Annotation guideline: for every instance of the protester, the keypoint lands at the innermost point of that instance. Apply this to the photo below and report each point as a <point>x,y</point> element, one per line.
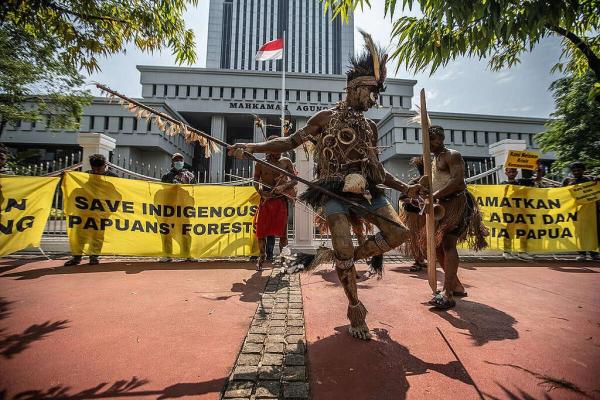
<point>536,181</point>
<point>511,175</point>
<point>578,176</point>
<point>461,221</point>
<point>4,168</point>
<point>411,216</point>
<point>272,216</point>
<point>178,173</point>
<point>99,167</point>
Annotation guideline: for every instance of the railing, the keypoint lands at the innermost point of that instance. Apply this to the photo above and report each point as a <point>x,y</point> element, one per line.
<point>50,168</point>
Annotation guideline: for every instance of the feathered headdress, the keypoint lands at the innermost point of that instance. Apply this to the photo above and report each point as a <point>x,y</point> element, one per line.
<point>368,68</point>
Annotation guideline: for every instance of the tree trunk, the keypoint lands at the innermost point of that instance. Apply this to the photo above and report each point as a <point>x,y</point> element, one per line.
<point>2,125</point>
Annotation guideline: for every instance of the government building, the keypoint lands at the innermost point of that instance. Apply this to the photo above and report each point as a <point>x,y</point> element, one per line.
<point>223,98</point>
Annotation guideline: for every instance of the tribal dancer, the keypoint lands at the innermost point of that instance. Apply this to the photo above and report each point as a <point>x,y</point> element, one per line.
<point>461,221</point>
<point>347,164</point>
<point>272,216</point>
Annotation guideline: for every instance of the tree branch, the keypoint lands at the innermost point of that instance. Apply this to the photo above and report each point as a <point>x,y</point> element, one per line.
<point>84,16</point>
<point>593,60</point>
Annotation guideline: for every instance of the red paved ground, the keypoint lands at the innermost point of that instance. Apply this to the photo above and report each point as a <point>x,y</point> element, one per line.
<point>134,330</point>
<point>519,329</point>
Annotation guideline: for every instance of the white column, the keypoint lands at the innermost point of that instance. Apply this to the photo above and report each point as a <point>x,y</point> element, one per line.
<point>95,143</point>
<point>217,160</point>
<point>303,218</point>
<point>499,151</point>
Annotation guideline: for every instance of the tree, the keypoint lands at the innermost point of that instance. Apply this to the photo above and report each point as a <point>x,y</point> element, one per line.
<point>34,83</point>
<point>501,30</point>
<point>574,132</point>
<point>44,44</point>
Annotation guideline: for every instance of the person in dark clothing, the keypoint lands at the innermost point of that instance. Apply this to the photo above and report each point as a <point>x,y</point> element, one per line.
<point>536,181</point>
<point>511,175</point>
<point>99,167</point>
<point>578,176</point>
<point>178,173</point>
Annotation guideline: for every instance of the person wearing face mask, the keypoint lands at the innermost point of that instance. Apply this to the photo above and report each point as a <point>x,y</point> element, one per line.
<point>178,173</point>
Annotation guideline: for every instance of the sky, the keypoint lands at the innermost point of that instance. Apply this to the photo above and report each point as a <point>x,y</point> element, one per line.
<point>463,86</point>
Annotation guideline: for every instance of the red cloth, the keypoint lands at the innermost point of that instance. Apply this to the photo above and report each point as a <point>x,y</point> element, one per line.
<point>271,219</point>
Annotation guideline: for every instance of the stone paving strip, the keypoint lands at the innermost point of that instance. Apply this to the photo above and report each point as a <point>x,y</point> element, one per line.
<point>272,361</point>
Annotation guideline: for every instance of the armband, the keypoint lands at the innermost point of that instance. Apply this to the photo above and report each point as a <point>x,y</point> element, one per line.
<point>299,137</point>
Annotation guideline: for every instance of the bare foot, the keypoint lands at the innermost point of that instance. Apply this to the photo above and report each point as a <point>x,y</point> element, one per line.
<point>259,263</point>
<point>360,332</point>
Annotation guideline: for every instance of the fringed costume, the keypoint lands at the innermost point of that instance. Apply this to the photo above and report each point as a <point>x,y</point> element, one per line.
<point>462,218</point>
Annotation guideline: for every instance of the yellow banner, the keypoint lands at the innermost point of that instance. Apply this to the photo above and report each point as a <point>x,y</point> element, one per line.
<point>537,220</point>
<point>25,205</point>
<point>522,159</point>
<point>107,216</point>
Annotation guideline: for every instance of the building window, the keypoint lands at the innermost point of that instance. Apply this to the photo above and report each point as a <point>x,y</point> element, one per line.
<point>221,92</point>
<point>199,90</point>
<point>287,95</point>
<point>253,94</point>
<point>404,134</point>
<point>464,136</point>
<point>417,133</point>
<point>153,90</point>
<point>243,93</point>
<point>105,123</point>
<point>165,90</point>
<point>297,95</point>
<point>329,97</point>
<point>451,135</point>
<point>135,123</point>
<point>176,90</point>
<point>486,136</point>
<point>475,138</point>
<point>210,91</point>
<point>391,101</point>
<point>120,123</point>
<point>276,94</point>
<point>149,125</point>
<point>339,97</point>
<point>265,93</point>
<point>520,136</point>
<point>92,122</point>
<point>232,92</point>
<point>531,140</point>
<point>319,97</point>
<point>308,95</point>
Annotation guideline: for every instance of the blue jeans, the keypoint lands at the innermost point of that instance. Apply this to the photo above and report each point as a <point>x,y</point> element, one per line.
<point>335,206</point>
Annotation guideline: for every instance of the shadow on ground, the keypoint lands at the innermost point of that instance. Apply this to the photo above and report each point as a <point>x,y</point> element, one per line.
<point>484,323</point>
<point>127,267</point>
<point>124,388</point>
<point>372,370</point>
<point>16,343</point>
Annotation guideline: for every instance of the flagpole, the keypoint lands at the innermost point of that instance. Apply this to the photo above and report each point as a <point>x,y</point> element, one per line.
<point>283,67</point>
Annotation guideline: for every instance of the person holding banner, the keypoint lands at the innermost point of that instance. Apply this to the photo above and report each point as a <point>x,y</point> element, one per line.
<point>272,216</point>
<point>94,239</point>
<point>536,181</point>
<point>348,168</point>
<point>178,173</point>
<point>578,176</point>
<point>461,220</point>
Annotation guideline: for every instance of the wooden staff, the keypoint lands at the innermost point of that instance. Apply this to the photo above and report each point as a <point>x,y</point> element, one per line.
<point>250,156</point>
<point>429,218</point>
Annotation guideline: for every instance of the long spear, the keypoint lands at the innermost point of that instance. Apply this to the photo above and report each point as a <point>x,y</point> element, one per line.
<point>429,218</point>
<point>203,137</point>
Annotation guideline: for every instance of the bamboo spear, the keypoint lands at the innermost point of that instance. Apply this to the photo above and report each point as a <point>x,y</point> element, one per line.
<point>429,218</point>
<point>206,139</point>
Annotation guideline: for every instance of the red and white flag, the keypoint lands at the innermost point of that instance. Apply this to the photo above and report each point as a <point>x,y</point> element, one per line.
<point>272,50</point>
